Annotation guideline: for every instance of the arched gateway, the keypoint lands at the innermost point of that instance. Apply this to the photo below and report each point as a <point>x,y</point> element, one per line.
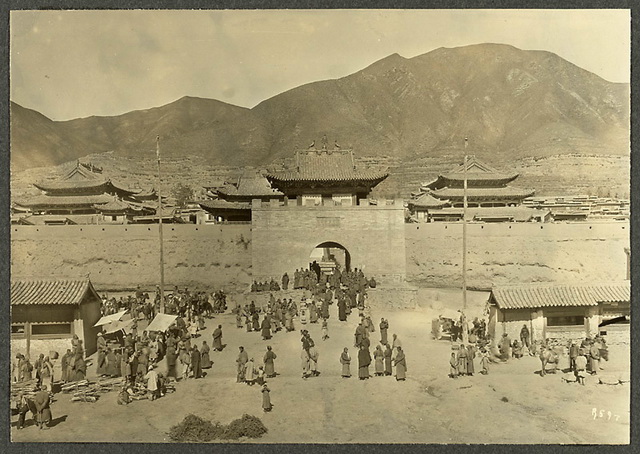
<point>330,256</point>
<point>326,206</point>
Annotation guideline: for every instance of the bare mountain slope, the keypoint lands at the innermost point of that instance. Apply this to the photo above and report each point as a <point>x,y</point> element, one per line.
<point>511,103</point>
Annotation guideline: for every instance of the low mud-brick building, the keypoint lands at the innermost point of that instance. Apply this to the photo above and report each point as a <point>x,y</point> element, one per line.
<point>46,313</point>
<point>558,311</point>
<point>326,216</point>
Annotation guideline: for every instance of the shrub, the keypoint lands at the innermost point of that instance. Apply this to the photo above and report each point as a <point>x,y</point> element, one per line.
<point>195,429</point>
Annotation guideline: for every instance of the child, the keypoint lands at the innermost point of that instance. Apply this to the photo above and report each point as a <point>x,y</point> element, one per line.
<point>453,363</point>
<point>325,329</point>
<point>266,399</point>
<point>260,376</point>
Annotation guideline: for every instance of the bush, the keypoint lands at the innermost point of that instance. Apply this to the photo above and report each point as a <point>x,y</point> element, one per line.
<point>196,429</point>
<point>247,426</point>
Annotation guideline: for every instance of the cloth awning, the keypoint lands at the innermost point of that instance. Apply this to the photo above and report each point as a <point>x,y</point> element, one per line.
<point>161,322</point>
<point>449,313</point>
<point>110,318</point>
<point>124,325</point>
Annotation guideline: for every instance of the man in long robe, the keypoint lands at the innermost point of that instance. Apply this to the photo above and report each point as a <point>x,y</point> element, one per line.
<point>388,353</point>
<point>269,365</point>
<point>384,326</point>
<point>401,365</point>
<point>266,328</point>
<point>342,310</point>
<point>285,281</point>
<point>42,403</point>
<point>205,360</point>
<point>195,362</point>
<point>102,355</point>
<point>64,365</point>
<point>359,335</point>
<point>217,339</point>
<point>241,363</point>
<point>364,360</point>
<point>172,359</point>
<point>378,356</point>
<point>345,360</point>
<point>79,368</point>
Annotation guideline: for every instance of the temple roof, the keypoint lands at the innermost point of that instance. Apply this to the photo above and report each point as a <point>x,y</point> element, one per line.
<point>80,178</point>
<point>503,192</point>
<point>326,166</point>
<point>72,200</point>
<point>426,200</point>
<point>254,185</point>
<point>477,171</point>
<point>114,206</point>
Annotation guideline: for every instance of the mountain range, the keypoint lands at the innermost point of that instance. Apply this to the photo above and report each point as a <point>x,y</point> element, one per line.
<point>510,103</point>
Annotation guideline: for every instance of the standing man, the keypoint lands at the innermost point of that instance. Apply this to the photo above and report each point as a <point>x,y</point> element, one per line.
<point>525,337</point>
<point>285,281</point>
<point>573,354</point>
<point>217,339</point>
<point>401,365</point>
<point>384,326</point>
<point>594,358</point>
<point>241,362</point>
<point>42,403</point>
<point>345,360</point>
<point>364,360</point>
<point>269,365</point>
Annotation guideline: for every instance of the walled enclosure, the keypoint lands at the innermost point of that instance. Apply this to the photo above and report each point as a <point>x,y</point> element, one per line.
<point>211,256</point>
<point>284,237</point>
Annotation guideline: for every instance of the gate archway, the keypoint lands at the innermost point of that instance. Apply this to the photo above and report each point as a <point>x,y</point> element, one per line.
<point>330,255</point>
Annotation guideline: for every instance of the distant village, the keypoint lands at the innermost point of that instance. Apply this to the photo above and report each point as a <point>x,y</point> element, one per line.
<point>85,195</point>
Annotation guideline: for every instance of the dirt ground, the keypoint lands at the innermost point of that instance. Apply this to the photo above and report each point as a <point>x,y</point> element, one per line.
<point>512,404</point>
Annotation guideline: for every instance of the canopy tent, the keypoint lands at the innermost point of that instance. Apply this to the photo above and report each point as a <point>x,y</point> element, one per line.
<point>110,318</point>
<point>124,325</point>
<point>449,313</point>
<point>161,322</point>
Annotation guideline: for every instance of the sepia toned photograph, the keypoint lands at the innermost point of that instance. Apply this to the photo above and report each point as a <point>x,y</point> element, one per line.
<point>320,226</point>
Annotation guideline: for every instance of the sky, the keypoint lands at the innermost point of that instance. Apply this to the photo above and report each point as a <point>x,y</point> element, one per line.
<point>72,64</point>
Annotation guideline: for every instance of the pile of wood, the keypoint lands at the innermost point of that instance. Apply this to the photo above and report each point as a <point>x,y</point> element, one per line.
<point>89,391</point>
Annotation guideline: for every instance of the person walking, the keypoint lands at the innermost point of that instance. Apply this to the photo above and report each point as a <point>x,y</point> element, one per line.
<point>217,339</point>
<point>525,337</point>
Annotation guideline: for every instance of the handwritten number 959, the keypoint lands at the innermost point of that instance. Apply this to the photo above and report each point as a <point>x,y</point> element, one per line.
<point>602,414</point>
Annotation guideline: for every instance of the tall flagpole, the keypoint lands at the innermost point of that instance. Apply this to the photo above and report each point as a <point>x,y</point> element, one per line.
<point>464,229</point>
<point>160,229</point>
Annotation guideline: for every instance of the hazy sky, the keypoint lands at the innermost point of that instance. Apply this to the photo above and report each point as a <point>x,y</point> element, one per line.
<point>74,64</point>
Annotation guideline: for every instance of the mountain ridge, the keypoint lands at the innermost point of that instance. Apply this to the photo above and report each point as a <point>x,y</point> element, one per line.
<point>511,103</point>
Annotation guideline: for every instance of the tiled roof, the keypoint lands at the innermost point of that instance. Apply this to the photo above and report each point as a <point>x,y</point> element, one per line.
<point>250,186</point>
<point>522,214</point>
<point>530,296</point>
<point>334,166</point>
<point>427,201</point>
<point>50,291</point>
<point>447,193</point>
<point>63,185</point>
<point>114,205</point>
<point>224,205</point>
<point>73,200</point>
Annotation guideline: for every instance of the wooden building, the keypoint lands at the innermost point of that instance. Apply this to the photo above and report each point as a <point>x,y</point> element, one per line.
<point>326,178</point>
<point>82,191</point>
<point>46,313</point>
<point>232,201</point>
<point>556,311</point>
<point>486,186</point>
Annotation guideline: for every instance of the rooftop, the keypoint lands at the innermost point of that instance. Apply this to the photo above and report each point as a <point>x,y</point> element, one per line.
<point>326,166</point>
<point>50,291</point>
<point>250,185</point>
<point>531,296</point>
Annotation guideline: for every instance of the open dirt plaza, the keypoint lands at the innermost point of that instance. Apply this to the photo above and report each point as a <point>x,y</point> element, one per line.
<point>512,404</point>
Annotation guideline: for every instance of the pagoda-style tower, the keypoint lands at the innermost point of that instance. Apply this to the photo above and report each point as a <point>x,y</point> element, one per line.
<point>326,177</point>
<point>486,186</point>
<point>326,216</point>
<point>81,191</point>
